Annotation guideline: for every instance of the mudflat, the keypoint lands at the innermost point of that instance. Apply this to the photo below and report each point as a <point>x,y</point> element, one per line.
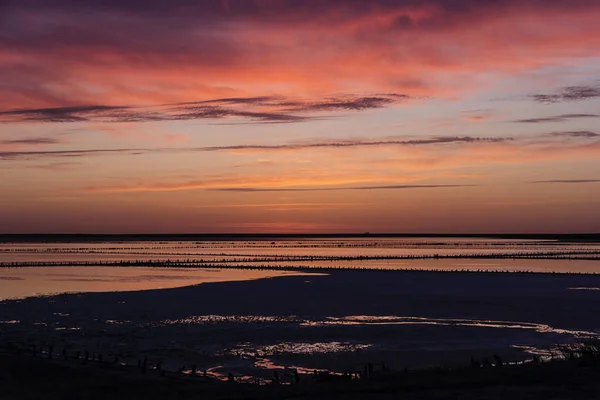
<point>337,322</point>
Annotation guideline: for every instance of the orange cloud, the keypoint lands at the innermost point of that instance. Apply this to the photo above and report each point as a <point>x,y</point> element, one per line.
<point>476,115</point>
<point>289,179</point>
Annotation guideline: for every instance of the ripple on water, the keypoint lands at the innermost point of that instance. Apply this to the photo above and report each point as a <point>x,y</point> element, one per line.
<point>220,319</point>
<point>251,350</point>
<point>399,320</point>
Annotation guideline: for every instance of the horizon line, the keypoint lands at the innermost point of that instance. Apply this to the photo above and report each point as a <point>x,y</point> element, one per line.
<point>332,234</point>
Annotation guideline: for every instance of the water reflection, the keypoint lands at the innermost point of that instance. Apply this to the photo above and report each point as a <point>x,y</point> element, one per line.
<point>397,320</point>
<point>220,319</point>
<point>210,334</point>
<point>252,350</point>
<point>42,281</point>
<point>370,253</point>
<point>358,320</point>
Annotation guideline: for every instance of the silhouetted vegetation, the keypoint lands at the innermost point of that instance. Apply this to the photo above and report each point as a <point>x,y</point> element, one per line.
<point>573,374</point>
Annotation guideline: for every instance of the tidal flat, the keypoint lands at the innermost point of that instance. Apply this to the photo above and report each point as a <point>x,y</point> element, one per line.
<point>337,322</point>
<point>246,309</point>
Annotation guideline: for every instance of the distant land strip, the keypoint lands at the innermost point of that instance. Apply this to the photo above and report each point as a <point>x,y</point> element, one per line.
<point>194,259</point>
<point>85,238</point>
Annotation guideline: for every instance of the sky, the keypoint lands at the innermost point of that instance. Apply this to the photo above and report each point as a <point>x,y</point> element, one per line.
<point>299,116</point>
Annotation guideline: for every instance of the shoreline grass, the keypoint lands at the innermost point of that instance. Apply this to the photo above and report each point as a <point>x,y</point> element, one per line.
<point>23,376</point>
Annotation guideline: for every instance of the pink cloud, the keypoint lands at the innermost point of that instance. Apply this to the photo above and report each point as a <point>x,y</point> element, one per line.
<point>431,48</point>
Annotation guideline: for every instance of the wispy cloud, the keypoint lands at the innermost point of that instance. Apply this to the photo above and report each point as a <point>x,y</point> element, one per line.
<point>12,155</point>
<point>569,181</point>
<point>584,138</point>
<point>267,109</point>
<point>31,141</point>
<point>310,182</point>
<point>476,115</point>
<point>331,103</point>
<point>570,93</point>
<point>347,103</point>
<point>556,118</point>
<point>576,134</point>
<point>65,165</point>
<point>326,189</point>
<point>282,206</point>
<point>61,114</point>
<point>258,147</point>
<point>362,143</point>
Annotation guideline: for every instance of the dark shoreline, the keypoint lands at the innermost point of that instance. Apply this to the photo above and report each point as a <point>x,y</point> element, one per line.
<point>26,377</point>
<point>298,269</point>
<point>85,238</point>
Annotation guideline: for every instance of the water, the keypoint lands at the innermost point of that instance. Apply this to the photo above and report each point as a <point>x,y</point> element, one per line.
<point>356,310</point>
<point>370,253</point>
<point>43,281</point>
<point>208,256</point>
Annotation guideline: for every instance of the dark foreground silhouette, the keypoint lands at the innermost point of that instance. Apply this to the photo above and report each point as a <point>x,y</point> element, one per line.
<point>26,377</point>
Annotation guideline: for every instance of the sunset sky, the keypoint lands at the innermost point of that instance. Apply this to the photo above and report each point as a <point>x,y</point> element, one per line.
<point>412,116</point>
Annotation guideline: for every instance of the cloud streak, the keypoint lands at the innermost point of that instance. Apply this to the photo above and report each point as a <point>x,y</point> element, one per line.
<point>11,155</point>
<point>14,155</point>
<point>556,118</point>
<point>570,181</point>
<point>327,189</point>
<point>262,109</point>
<point>31,141</point>
<point>60,114</point>
<point>584,140</point>
<point>576,134</point>
<point>570,93</point>
<point>362,143</point>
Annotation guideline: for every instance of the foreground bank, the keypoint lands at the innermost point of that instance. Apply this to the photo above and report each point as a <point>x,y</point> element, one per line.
<point>25,377</point>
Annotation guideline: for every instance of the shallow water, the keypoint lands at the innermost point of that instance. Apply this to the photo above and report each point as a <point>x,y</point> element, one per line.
<point>43,281</point>
<point>369,253</point>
